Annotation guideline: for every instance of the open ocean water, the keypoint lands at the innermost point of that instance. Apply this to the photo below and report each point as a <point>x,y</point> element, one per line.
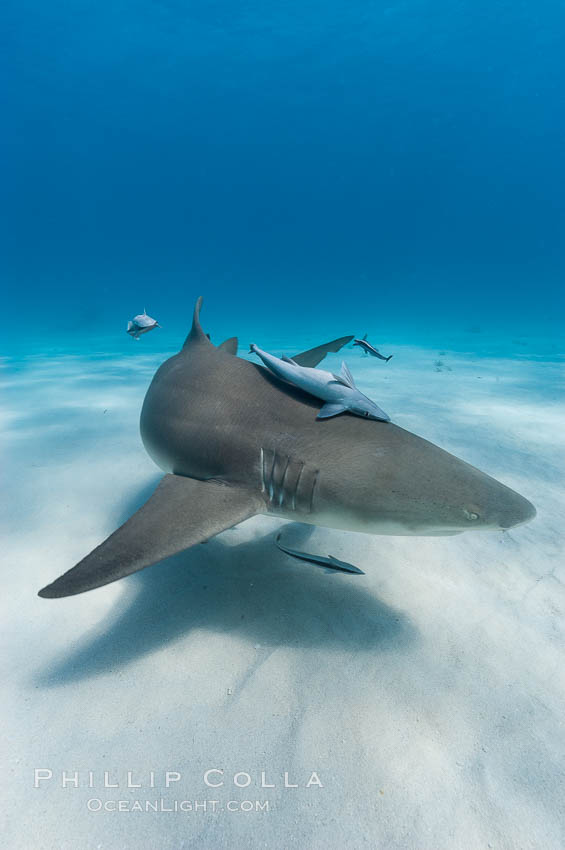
<point>313,169</point>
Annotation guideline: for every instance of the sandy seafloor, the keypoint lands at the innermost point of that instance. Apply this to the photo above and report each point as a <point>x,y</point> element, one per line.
<point>428,695</point>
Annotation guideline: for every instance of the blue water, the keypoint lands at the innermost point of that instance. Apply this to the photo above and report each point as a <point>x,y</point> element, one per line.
<point>313,168</point>
<point>307,166</point>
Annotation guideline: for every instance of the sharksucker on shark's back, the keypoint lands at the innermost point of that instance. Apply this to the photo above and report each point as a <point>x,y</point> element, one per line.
<point>338,391</point>
<point>234,441</point>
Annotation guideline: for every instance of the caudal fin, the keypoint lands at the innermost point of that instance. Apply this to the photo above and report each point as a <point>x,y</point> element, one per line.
<point>314,356</point>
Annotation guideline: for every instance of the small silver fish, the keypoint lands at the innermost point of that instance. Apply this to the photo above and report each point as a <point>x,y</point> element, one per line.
<point>141,324</point>
<point>370,349</point>
<point>321,560</point>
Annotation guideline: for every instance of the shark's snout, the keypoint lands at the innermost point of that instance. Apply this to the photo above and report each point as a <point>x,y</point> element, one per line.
<point>491,504</point>
<point>431,492</point>
<point>519,512</point>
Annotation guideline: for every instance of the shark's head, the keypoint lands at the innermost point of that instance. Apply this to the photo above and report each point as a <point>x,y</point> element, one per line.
<point>405,485</point>
<point>470,500</point>
<point>365,407</point>
<point>445,495</point>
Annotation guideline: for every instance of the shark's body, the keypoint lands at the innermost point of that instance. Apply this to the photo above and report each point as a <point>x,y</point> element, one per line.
<point>234,442</point>
<point>338,391</point>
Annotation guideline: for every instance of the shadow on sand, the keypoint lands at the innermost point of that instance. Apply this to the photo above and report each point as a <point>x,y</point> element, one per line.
<point>250,588</point>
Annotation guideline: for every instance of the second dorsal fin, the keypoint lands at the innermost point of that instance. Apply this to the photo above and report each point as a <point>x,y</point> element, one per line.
<point>229,345</point>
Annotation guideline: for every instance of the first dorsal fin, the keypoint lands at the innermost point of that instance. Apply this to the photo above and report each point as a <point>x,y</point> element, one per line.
<point>345,377</point>
<point>346,374</point>
<point>196,334</point>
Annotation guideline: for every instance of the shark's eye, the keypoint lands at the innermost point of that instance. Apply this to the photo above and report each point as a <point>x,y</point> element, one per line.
<point>366,412</point>
<point>470,514</point>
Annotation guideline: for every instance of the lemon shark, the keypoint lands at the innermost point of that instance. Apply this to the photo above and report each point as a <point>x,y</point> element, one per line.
<point>234,441</point>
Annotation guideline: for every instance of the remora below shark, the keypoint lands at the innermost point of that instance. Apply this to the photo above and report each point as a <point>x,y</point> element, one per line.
<point>234,442</point>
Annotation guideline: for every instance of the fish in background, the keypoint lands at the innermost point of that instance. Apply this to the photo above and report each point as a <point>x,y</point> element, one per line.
<point>338,391</point>
<point>370,349</point>
<point>141,324</point>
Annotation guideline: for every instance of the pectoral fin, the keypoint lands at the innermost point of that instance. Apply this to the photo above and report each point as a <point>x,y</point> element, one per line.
<point>331,409</point>
<point>315,355</point>
<point>181,512</point>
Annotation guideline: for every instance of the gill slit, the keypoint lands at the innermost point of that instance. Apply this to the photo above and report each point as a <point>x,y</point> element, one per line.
<point>313,488</point>
<point>271,477</point>
<point>262,470</point>
<point>281,494</point>
<point>295,491</point>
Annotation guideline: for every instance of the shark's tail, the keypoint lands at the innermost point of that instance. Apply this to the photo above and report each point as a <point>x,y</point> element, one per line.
<point>252,348</point>
<point>388,358</point>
